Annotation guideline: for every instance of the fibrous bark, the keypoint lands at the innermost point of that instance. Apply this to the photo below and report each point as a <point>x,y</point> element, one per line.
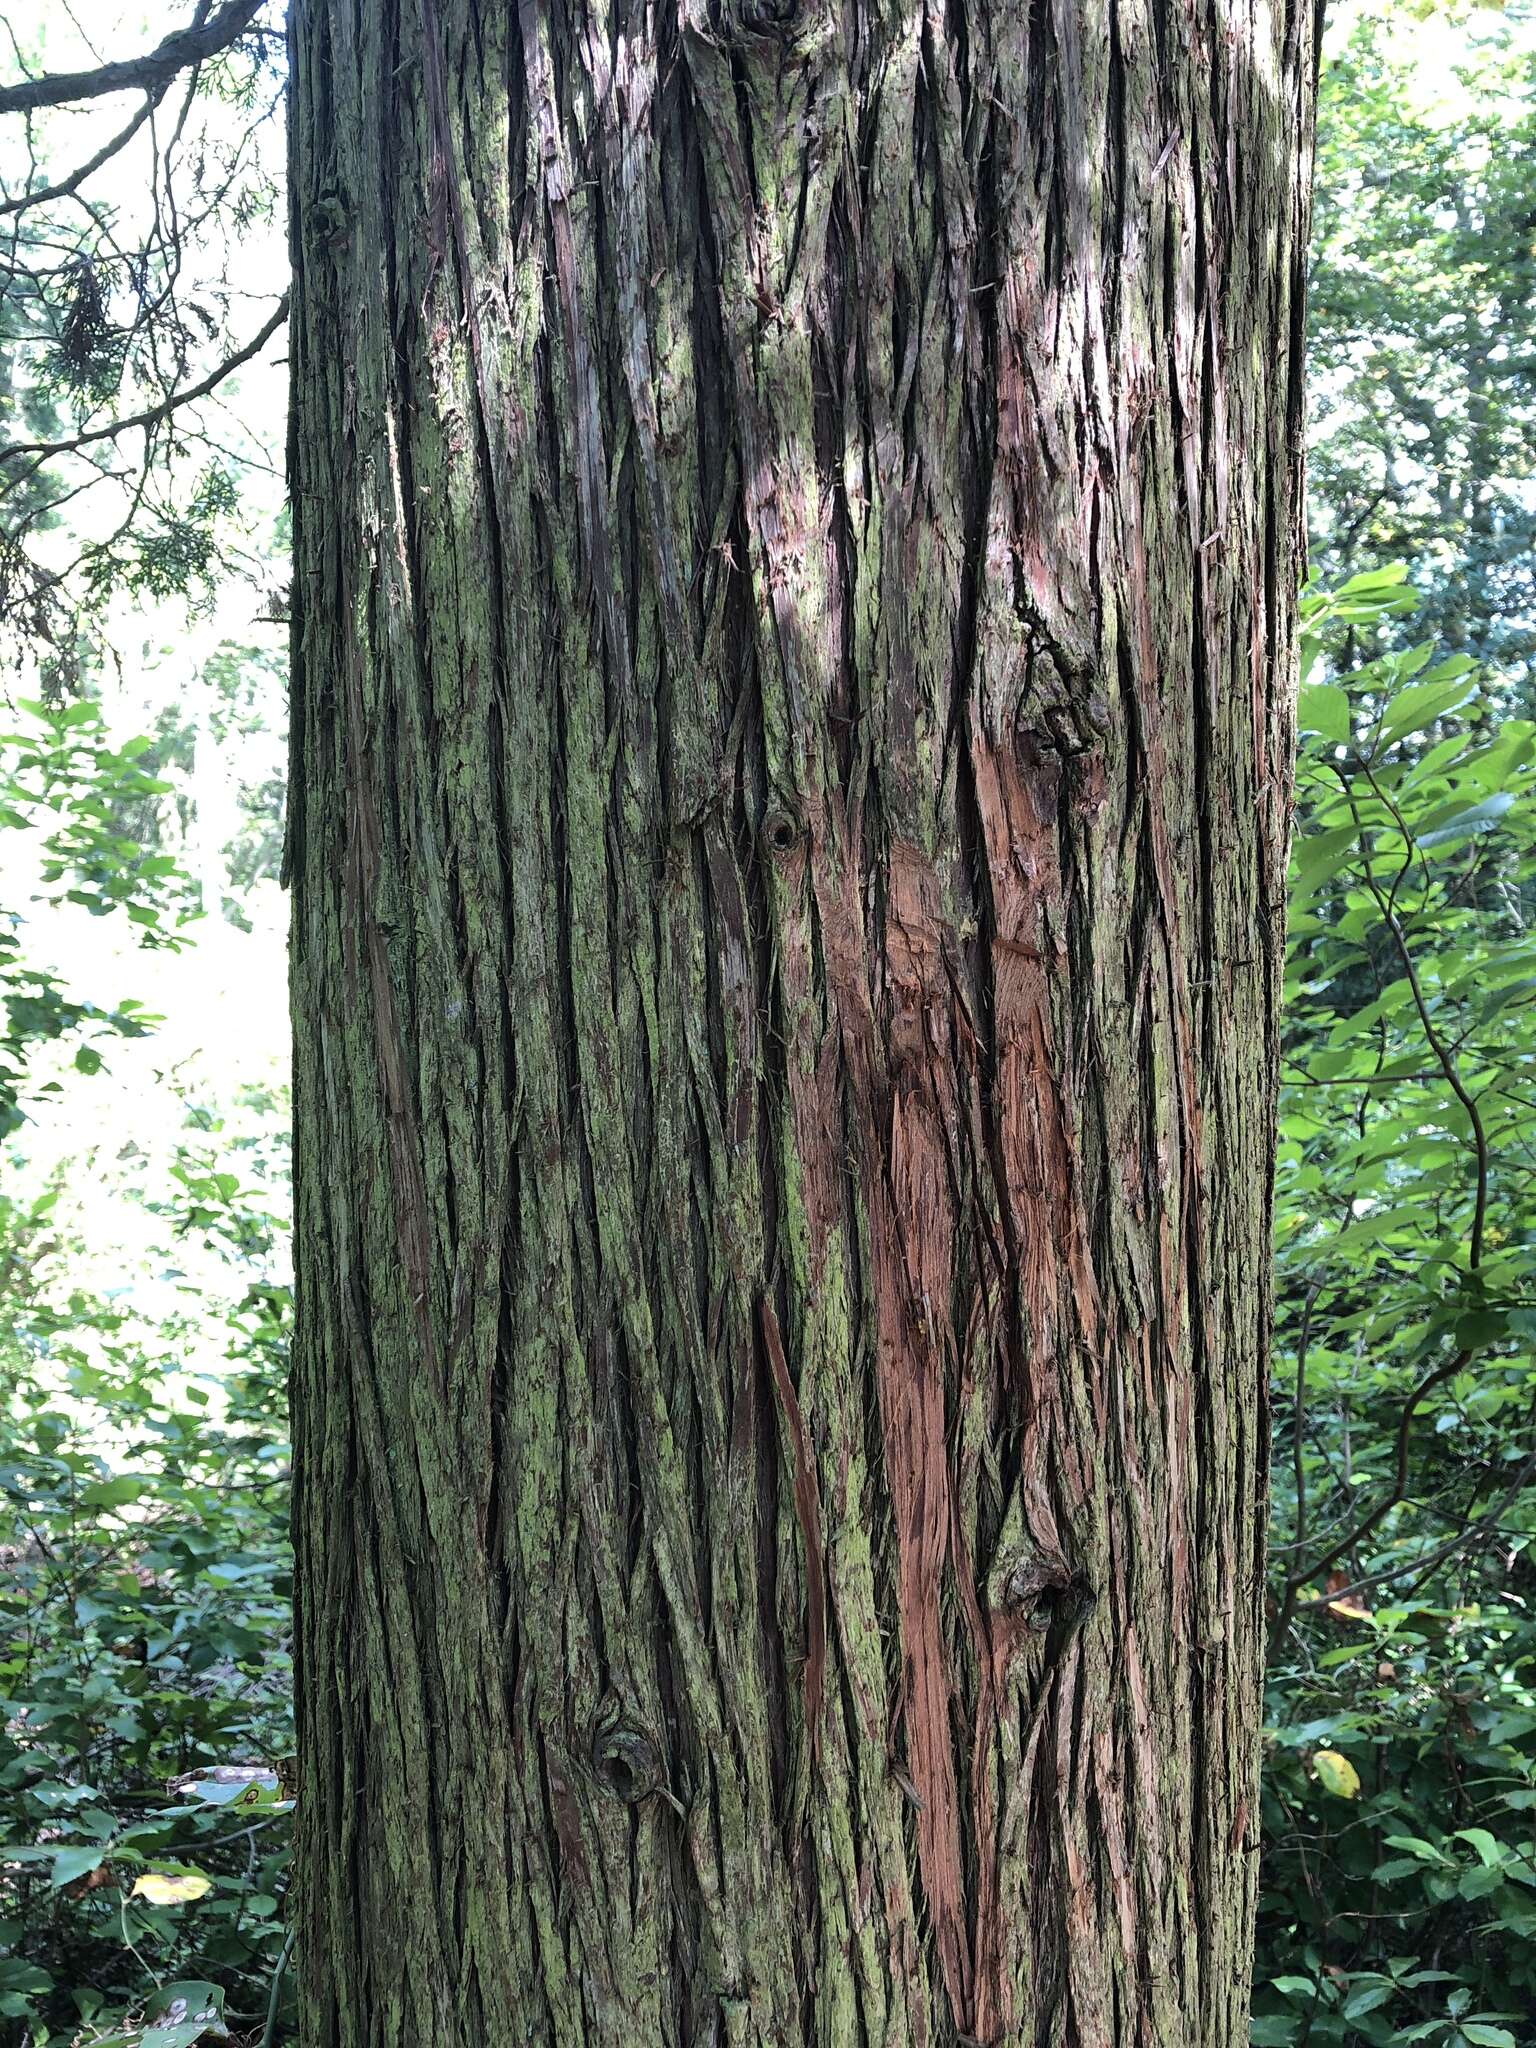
<point>796,531</point>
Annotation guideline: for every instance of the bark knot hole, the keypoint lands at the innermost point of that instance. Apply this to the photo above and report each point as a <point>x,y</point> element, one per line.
<point>766,18</point>
<point>782,832</point>
<point>1044,1591</point>
<point>628,1761</point>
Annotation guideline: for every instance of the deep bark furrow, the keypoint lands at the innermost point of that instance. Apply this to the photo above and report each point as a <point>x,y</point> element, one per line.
<point>796,518</point>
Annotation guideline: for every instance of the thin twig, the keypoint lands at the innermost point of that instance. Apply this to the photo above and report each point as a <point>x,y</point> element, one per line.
<point>155,414</point>
<point>269,2031</point>
<point>66,187</point>
<point>1427,1560</point>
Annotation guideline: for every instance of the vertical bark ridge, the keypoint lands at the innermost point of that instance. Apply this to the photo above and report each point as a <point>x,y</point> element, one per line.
<point>796,522</point>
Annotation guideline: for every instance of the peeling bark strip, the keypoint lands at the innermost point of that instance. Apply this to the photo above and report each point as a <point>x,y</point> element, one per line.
<point>796,525</point>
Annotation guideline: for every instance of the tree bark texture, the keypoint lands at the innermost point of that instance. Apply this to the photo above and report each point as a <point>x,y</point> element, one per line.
<point>796,518</point>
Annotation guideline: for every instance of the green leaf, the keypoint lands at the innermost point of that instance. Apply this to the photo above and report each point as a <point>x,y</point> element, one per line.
<point>1367,2000</point>
<point>1323,708</point>
<point>1479,817</point>
<point>254,1788</point>
<point>1426,1852</point>
<point>1413,710</point>
<point>16,1975</point>
<point>1396,1868</point>
<point>1392,576</point>
<point>180,2034</point>
<point>73,1863</point>
<point>189,2003</point>
<point>1295,1987</point>
<point>120,1492</point>
<point>1489,1850</point>
<point>1320,855</point>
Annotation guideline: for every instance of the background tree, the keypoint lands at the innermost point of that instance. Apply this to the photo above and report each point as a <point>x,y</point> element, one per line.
<point>1400,1862</point>
<point>143,1562</point>
<point>1401,1776</point>
<point>796,536</point>
<point>1423,321</point>
<point>121,281</point>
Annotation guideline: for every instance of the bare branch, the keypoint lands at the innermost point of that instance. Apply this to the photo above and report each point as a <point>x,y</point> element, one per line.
<point>154,69</point>
<point>1485,1524</point>
<point>1337,1545</point>
<point>154,414</point>
<point>1437,1045</point>
<point>1298,1446</point>
<point>70,185</point>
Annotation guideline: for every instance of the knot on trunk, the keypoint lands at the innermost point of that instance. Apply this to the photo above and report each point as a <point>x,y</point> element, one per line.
<point>761,20</point>
<point>782,833</point>
<point>628,1761</point>
<point>1040,1591</point>
<point>1034,1587</point>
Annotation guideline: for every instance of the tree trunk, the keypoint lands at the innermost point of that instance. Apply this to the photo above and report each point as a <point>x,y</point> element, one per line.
<point>796,517</point>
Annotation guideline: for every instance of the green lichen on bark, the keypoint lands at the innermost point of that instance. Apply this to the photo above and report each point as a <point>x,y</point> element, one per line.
<point>796,535</point>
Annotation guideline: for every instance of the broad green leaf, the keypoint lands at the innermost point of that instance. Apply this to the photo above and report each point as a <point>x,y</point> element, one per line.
<point>1320,855</point>
<point>1391,577</point>
<point>1368,1999</point>
<point>1323,708</point>
<point>73,1863</point>
<point>1489,1850</point>
<point>119,1492</point>
<point>1479,817</point>
<point>1295,1987</point>
<point>1414,1845</point>
<point>253,1788</point>
<point>1397,1867</point>
<point>174,2007</point>
<point>1413,709</point>
<point>182,2035</point>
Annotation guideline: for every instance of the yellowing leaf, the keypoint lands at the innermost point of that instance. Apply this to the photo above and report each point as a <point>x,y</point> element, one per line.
<point>1336,1774</point>
<point>171,1888</point>
<point>1345,1605</point>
